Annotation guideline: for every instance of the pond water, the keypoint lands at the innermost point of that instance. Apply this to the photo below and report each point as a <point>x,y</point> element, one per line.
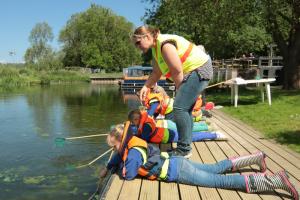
<point>32,165</point>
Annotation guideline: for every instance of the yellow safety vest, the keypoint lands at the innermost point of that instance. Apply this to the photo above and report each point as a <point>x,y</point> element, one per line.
<point>191,58</point>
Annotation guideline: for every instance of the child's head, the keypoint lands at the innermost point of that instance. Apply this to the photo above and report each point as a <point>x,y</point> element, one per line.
<point>114,137</point>
<point>134,117</point>
<point>159,89</point>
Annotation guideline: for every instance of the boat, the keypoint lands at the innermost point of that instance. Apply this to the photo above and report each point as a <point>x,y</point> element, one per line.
<point>134,77</point>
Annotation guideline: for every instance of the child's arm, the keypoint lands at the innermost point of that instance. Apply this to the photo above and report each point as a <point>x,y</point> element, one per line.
<point>114,161</point>
<point>146,132</point>
<point>132,164</point>
<point>152,109</point>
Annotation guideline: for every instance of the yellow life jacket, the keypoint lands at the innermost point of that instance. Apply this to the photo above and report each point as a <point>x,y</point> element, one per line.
<point>191,56</point>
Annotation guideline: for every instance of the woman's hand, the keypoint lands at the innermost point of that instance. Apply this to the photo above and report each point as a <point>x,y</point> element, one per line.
<point>143,92</point>
<point>103,172</point>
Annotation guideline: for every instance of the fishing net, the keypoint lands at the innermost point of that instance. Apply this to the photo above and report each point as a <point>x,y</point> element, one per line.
<point>60,142</point>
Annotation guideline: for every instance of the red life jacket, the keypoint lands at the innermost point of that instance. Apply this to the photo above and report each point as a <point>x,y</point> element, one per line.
<point>157,134</point>
<point>145,118</point>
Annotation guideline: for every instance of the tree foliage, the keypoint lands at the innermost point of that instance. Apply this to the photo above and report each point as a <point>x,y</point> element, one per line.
<point>229,28</point>
<point>39,37</point>
<point>282,20</point>
<point>100,39</point>
<point>226,28</point>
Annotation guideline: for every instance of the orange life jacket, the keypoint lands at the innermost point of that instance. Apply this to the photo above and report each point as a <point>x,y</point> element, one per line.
<point>198,104</point>
<point>157,134</point>
<point>136,142</point>
<point>145,118</point>
<point>153,96</point>
<point>163,102</point>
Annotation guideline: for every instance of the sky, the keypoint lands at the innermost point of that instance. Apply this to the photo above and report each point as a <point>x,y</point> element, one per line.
<point>18,17</point>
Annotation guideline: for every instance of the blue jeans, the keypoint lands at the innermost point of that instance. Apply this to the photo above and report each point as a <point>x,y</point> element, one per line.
<point>208,175</point>
<point>184,102</point>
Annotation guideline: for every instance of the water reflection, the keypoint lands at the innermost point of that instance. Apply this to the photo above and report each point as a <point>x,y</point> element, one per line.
<point>32,167</point>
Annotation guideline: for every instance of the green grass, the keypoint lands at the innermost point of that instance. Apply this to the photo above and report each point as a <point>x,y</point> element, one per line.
<point>281,121</point>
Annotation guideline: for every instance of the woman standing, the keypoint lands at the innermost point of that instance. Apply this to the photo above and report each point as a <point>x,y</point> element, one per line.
<point>184,63</point>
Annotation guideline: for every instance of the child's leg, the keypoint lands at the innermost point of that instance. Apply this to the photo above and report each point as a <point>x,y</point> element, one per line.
<point>189,173</point>
<point>197,126</point>
<point>200,126</point>
<point>198,136</point>
<point>217,168</point>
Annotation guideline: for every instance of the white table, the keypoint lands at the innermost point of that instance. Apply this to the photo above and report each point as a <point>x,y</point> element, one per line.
<point>260,82</point>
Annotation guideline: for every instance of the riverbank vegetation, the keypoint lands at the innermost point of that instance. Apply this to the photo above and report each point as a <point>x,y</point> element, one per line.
<point>20,75</point>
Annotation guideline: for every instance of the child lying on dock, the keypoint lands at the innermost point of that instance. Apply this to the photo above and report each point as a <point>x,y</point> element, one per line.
<point>136,157</point>
<point>158,103</point>
<point>165,131</point>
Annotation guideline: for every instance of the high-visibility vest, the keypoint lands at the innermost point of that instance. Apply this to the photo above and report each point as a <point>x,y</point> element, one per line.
<point>191,57</point>
<point>142,147</point>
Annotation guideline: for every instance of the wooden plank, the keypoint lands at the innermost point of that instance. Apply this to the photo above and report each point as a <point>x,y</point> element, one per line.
<point>149,190</point>
<point>235,142</point>
<point>293,158</point>
<point>131,189</point>
<point>206,157</point>
<point>258,135</point>
<point>268,150</point>
<point>284,150</point>
<point>168,190</point>
<point>242,140</point>
<point>230,152</point>
<point>243,151</point>
<point>115,188</point>
<point>188,192</point>
<point>219,156</point>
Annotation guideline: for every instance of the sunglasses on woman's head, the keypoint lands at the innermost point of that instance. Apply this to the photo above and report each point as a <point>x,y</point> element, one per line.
<point>137,43</point>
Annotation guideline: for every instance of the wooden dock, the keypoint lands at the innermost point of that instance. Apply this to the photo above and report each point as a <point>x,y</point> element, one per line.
<point>242,140</point>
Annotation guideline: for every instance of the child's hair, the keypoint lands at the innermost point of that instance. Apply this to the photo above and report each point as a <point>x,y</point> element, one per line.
<point>142,30</point>
<point>132,113</point>
<point>159,89</point>
<point>116,131</point>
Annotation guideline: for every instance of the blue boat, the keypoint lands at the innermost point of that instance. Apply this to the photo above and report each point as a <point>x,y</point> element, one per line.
<point>134,78</point>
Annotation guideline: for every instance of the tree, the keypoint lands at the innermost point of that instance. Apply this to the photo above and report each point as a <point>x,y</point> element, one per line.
<point>282,20</point>
<point>39,37</point>
<point>226,28</point>
<point>231,27</point>
<point>100,39</point>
